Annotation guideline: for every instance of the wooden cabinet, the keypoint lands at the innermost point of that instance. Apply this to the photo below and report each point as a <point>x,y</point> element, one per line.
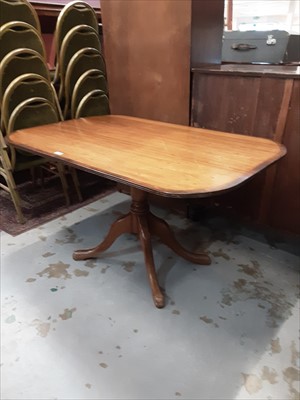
<point>258,101</point>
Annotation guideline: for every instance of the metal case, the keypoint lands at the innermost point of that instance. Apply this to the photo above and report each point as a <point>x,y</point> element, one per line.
<point>255,46</point>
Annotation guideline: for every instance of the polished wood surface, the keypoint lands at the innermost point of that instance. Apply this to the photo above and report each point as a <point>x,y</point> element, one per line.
<point>150,156</point>
<point>166,159</point>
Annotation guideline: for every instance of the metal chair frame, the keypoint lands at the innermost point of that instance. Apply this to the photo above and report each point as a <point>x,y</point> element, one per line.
<point>93,103</point>
<point>19,10</point>
<point>14,34</point>
<point>73,14</point>
<point>90,80</point>
<point>24,87</point>
<point>12,160</point>
<point>81,36</point>
<point>83,60</point>
<point>18,62</point>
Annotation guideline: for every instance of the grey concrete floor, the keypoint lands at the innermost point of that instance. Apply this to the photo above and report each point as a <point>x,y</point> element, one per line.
<point>89,330</point>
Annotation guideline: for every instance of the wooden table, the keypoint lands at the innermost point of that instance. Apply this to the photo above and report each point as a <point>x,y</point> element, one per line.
<point>150,156</point>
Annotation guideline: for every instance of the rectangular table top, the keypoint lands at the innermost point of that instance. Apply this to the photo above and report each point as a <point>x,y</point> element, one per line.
<point>167,159</point>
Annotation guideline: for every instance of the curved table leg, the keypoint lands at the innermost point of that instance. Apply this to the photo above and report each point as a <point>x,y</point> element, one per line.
<point>143,223</point>
<point>120,226</point>
<point>145,238</point>
<point>160,228</point>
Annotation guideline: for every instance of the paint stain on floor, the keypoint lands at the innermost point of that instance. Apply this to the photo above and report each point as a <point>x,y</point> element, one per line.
<point>41,327</point>
<point>90,263</point>
<point>295,355</point>
<point>128,265</point>
<point>69,237</point>
<point>269,375</point>
<point>252,383</point>
<point>57,270</point>
<point>292,375</point>
<point>209,321</point>
<point>221,253</point>
<point>48,254</point>
<point>67,314</point>
<point>275,346</point>
<point>30,280</point>
<point>79,272</point>
<point>251,270</point>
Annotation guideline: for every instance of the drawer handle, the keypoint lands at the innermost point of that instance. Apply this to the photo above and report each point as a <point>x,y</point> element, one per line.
<point>243,46</point>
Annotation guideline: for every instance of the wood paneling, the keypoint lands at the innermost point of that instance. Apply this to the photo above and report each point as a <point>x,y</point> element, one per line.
<point>264,106</point>
<point>285,205</point>
<point>207,31</point>
<point>147,51</point>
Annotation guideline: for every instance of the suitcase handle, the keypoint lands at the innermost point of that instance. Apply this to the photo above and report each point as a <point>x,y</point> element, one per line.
<point>243,46</point>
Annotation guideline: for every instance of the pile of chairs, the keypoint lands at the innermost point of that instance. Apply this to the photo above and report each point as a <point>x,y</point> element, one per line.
<point>80,71</point>
<point>28,96</point>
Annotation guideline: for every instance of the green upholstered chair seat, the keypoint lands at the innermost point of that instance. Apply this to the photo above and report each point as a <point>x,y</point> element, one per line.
<point>27,161</point>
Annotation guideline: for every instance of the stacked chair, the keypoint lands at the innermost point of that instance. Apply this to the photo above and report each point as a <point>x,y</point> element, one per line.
<point>80,66</point>
<point>18,10</point>
<point>27,96</point>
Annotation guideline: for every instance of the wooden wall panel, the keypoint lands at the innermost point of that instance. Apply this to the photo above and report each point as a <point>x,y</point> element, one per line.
<point>214,104</point>
<point>207,31</point>
<point>265,107</point>
<point>285,205</point>
<point>268,106</point>
<point>147,51</point>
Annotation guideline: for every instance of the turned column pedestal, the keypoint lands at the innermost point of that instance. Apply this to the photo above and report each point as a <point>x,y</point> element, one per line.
<point>143,223</point>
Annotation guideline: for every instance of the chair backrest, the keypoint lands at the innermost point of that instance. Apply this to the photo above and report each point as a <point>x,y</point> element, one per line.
<point>19,62</point>
<point>22,88</point>
<point>32,112</point>
<point>90,80</point>
<point>94,103</point>
<point>18,10</point>
<point>83,60</point>
<point>74,13</point>
<point>16,34</point>
<point>81,36</point>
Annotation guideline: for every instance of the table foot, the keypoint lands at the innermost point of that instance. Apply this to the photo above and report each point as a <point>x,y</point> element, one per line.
<point>161,228</point>
<point>143,223</point>
<point>145,238</point>
<point>120,226</point>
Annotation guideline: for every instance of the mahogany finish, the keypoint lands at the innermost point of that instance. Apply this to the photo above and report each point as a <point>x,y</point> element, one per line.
<point>144,224</point>
<point>166,159</point>
<point>151,156</point>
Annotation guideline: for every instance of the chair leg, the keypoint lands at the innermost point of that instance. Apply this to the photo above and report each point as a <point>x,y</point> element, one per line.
<point>11,186</point>
<point>61,173</point>
<point>76,183</point>
<point>33,175</point>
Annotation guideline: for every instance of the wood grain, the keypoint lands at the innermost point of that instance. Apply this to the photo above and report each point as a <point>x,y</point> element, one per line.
<point>264,104</point>
<point>147,53</point>
<point>166,159</point>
